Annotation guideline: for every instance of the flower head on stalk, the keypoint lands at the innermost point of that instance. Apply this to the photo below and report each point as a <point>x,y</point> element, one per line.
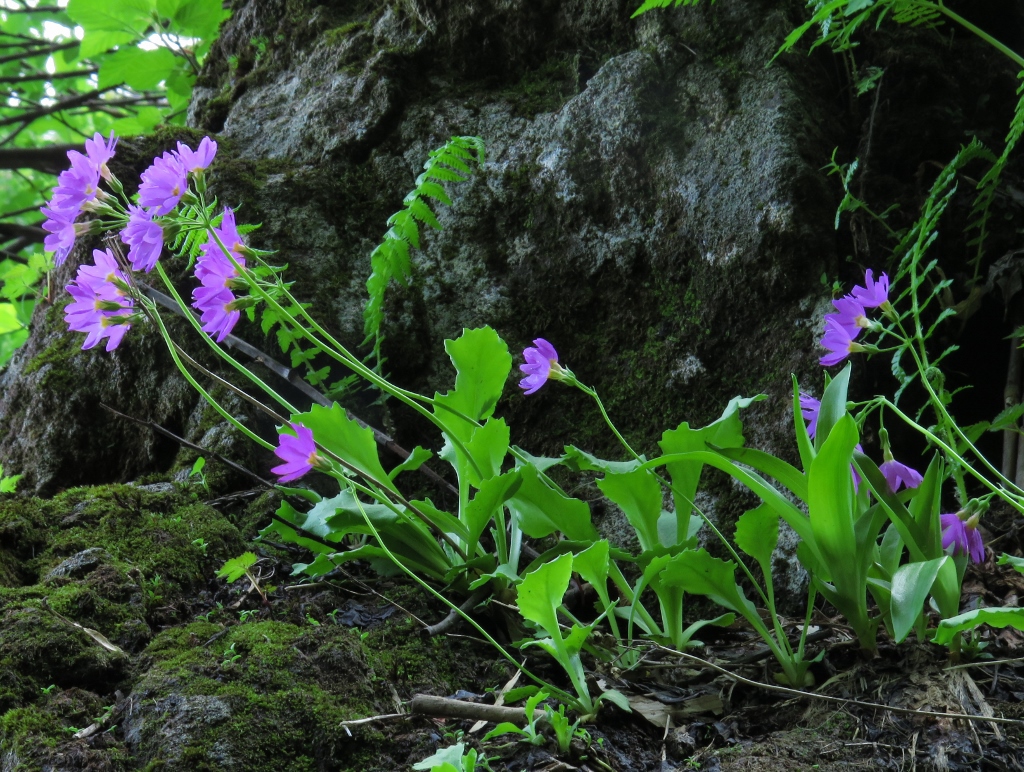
<point>959,531</point>
<point>144,237</point>
<point>62,232</point>
<point>163,184</point>
<point>541,365</point>
<point>76,186</point>
<point>212,258</point>
<point>874,293</point>
<point>100,308</point>
<point>196,161</point>
<point>219,309</point>
<point>850,316</point>
<point>99,151</point>
<point>298,452</point>
<point>838,340</point>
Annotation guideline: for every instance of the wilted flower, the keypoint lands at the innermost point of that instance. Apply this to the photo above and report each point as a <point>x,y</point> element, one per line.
<point>874,293</point>
<point>196,160</point>
<point>897,474</point>
<point>163,184</point>
<point>100,308</point>
<point>962,535</point>
<point>541,364</point>
<point>145,237</point>
<point>298,452</point>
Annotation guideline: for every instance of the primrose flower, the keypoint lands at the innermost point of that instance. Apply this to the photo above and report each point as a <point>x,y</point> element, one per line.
<point>99,152</point>
<point>809,409</point>
<point>218,308</point>
<point>163,184</point>
<point>838,340</point>
<point>897,474</point>
<point>541,364</point>
<point>962,535</point>
<point>76,186</point>
<point>60,225</point>
<point>213,259</point>
<point>298,453</point>
<point>145,237</point>
<point>874,293</point>
<point>851,316</point>
<point>195,161</point>
<point>100,308</point>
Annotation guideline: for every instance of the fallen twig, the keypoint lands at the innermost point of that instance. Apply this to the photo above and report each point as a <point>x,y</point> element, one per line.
<point>428,705</point>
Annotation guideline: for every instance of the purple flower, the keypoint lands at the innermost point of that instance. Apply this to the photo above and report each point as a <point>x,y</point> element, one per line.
<point>897,474</point>
<point>60,224</point>
<point>298,453</point>
<point>851,316</point>
<point>100,308</point>
<point>163,184</point>
<point>76,186</point>
<point>213,259</point>
<point>99,152</point>
<point>873,294</point>
<point>145,237</point>
<point>962,536</point>
<point>216,304</point>
<point>839,341</point>
<point>196,160</point>
<point>809,409</point>
<point>540,359</point>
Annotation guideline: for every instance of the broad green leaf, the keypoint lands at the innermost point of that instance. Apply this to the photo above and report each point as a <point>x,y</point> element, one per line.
<point>142,70</point>
<point>925,506</point>
<point>9,318</point>
<point>483,363</point>
<point>726,432</point>
<point>757,534</point>
<point>541,511</point>
<point>996,617</point>
<point>833,406</point>
<point>830,496</point>
<point>638,494</point>
<point>592,565</point>
<point>580,460</point>
<point>417,458</point>
<point>787,474</point>
<point>542,463</point>
<point>451,756</point>
<point>911,585</point>
<point>194,18</point>
<point>354,444</point>
<point>541,592</point>
<point>1017,564</point>
<point>803,440</point>
<point>698,573</point>
<point>493,493</point>
<point>120,16</point>
<point>488,446</point>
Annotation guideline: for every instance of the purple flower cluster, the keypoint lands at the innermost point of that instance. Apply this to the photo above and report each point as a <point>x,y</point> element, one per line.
<point>214,299</point>
<point>843,327</point>
<point>101,307</point>
<point>163,185</point>
<point>77,189</point>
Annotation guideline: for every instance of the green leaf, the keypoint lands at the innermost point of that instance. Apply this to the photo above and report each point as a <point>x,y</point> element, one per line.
<point>235,569</point>
<point>1004,560</point>
<point>493,493</point>
<point>830,495</point>
<point>638,494</point>
<point>483,363</point>
<point>757,534</point>
<point>451,756</point>
<point>488,446</point>
<point>833,406</point>
<point>766,463</point>
<point>996,617</point>
<point>354,444</point>
<point>417,458</point>
<point>541,510</point>
<point>142,70</point>
<point>697,573</point>
<point>580,460</point>
<point>541,592</point>
<point>726,432</point>
<point>8,483</point>
<point>194,18</point>
<point>911,585</point>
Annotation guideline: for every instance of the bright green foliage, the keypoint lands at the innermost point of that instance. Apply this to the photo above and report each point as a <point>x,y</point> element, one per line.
<point>236,568</point>
<point>650,5</point>
<point>996,617</point>
<point>390,260</point>
<point>8,483</point>
<point>454,758</point>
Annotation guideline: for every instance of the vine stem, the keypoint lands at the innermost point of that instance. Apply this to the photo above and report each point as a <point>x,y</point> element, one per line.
<point>1001,47</point>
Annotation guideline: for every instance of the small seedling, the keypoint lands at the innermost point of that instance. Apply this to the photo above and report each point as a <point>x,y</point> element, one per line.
<point>230,656</point>
<point>49,689</point>
<point>200,544</point>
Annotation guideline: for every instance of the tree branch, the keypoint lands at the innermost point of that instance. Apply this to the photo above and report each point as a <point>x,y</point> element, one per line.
<point>65,104</point>
<point>49,160</point>
<point>13,230</point>
<point>49,49</point>
<point>46,76</point>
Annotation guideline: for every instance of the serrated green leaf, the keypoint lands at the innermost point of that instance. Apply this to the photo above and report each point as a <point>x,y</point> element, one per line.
<point>757,534</point>
<point>638,495</point>
<point>483,363</point>
<point>996,617</point>
<point>541,511</point>
<point>354,444</point>
<point>235,569</point>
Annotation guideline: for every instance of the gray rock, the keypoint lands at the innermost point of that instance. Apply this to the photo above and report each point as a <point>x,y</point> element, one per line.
<point>80,564</point>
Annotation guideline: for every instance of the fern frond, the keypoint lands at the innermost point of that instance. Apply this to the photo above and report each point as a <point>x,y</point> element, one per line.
<point>650,5</point>
<point>390,260</point>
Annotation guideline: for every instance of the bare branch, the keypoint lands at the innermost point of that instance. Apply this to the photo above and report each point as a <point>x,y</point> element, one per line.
<point>64,104</point>
<point>11,230</point>
<point>41,50</point>
<point>49,160</point>
<point>46,76</point>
